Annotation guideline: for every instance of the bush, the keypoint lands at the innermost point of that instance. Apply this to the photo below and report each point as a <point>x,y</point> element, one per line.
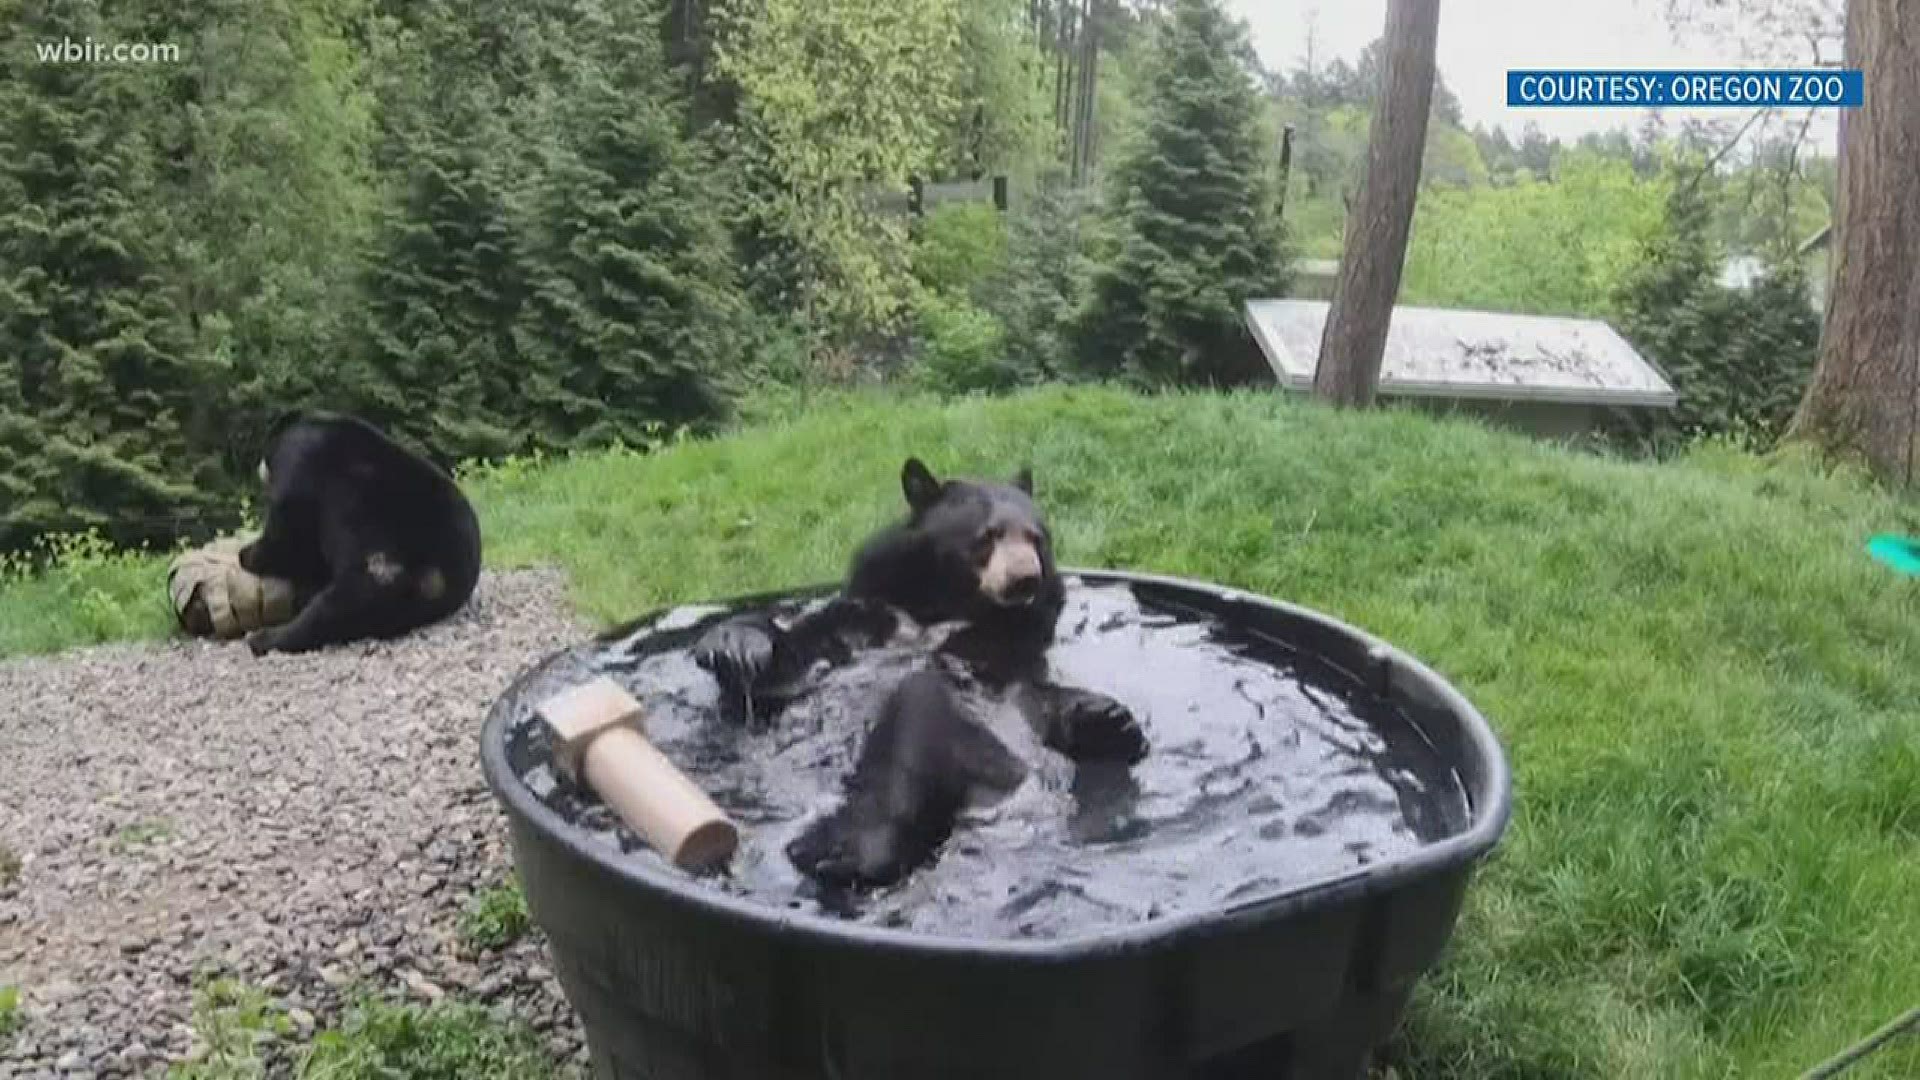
<point>1740,359</point>
<point>961,245</point>
<point>1559,248</point>
<point>1042,281</point>
<point>963,348</point>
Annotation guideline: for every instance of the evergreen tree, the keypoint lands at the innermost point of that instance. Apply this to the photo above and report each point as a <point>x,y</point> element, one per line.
<point>444,290</point>
<point>94,373</point>
<point>262,134</point>
<point>1740,359</point>
<point>1192,215</point>
<point>632,299</point>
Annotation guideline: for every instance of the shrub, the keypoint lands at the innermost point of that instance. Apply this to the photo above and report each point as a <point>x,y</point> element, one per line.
<point>961,245</point>
<point>963,348</point>
<point>1195,231</point>
<point>1740,359</point>
<point>1042,281</point>
<point>495,918</point>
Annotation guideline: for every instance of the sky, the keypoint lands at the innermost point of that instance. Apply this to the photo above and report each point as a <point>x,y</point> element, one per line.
<point>1481,39</point>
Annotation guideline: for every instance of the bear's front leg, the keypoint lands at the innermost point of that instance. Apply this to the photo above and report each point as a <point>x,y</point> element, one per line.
<point>757,662</point>
<point>347,609</point>
<point>920,762</point>
<point>742,653</point>
<point>1087,726</point>
<point>271,554</point>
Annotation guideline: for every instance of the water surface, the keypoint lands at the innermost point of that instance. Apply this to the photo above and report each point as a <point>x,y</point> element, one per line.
<point>1269,771</point>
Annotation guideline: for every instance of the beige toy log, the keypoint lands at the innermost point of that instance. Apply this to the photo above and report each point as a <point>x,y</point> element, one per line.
<point>213,597</point>
<point>596,735</point>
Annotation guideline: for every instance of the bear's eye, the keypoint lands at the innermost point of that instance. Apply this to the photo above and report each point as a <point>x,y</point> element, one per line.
<point>982,547</point>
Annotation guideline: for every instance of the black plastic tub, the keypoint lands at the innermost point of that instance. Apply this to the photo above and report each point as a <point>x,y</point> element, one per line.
<point>675,980</point>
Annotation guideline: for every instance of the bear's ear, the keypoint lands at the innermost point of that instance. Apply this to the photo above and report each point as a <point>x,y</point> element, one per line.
<point>919,484</point>
<point>286,419</point>
<point>1024,479</point>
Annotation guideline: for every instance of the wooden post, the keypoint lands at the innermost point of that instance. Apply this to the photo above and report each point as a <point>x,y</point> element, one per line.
<point>1000,193</point>
<point>1286,170</point>
<point>1375,245</point>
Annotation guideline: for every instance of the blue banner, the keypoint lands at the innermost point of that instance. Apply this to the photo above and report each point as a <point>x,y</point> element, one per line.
<point>1816,89</point>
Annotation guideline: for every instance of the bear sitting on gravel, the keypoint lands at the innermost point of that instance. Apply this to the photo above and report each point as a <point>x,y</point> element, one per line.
<point>382,538</point>
<point>970,553</point>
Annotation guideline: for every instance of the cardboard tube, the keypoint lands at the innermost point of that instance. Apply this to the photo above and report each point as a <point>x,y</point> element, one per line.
<point>657,800</point>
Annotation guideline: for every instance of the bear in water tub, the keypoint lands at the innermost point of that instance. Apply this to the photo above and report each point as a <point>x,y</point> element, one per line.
<point>976,556</point>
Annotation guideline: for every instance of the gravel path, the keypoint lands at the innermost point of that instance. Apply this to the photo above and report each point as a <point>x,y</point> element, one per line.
<point>303,823</point>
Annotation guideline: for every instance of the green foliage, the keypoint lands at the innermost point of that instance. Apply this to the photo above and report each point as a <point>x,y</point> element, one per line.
<point>1559,248</point>
<point>244,1034</point>
<point>1042,282</point>
<point>960,246</point>
<point>963,348</point>
<point>553,270</point>
<point>632,304</point>
<point>142,834</point>
<point>445,1041</point>
<point>479,224</point>
<point>235,1023</point>
<point>1003,119</point>
<point>176,246</point>
<point>495,918</point>
<point>9,1006</point>
<point>96,368</point>
<point>9,866</point>
<point>1740,359</point>
<point>73,588</point>
<point>1194,230</point>
<point>838,96</point>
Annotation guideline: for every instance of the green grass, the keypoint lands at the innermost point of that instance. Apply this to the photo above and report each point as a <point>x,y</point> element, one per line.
<point>494,918</point>
<point>78,590</point>
<point>1706,689</point>
<point>234,1024</point>
<point>244,1032</point>
<point>9,865</point>
<point>444,1041</point>
<point>9,1011</point>
<point>142,833</point>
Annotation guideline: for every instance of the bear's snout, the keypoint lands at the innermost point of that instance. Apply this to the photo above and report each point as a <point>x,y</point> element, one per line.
<point>1012,575</point>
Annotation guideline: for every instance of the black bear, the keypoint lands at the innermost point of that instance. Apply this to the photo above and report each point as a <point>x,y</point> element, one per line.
<point>971,553</point>
<point>382,539</point>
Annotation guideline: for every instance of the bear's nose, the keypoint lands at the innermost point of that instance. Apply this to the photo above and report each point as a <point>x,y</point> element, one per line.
<point>1022,590</point>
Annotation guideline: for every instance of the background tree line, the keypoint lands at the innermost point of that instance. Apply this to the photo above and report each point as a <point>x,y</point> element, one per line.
<point>497,228</point>
<point>491,227</point>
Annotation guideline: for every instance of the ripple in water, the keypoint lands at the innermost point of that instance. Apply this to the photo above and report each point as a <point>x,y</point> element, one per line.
<point>1269,772</point>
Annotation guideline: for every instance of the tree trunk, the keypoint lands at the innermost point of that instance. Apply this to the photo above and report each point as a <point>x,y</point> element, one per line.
<point>1375,245</point>
<point>1864,400</point>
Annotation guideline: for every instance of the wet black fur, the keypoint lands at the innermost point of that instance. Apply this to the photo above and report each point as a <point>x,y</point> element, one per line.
<point>925,752</point>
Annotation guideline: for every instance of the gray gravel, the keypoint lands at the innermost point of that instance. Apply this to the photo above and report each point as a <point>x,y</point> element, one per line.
<point>303,823</point>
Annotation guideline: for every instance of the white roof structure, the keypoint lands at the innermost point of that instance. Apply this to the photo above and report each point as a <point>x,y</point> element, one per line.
<point>1483,355</point>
